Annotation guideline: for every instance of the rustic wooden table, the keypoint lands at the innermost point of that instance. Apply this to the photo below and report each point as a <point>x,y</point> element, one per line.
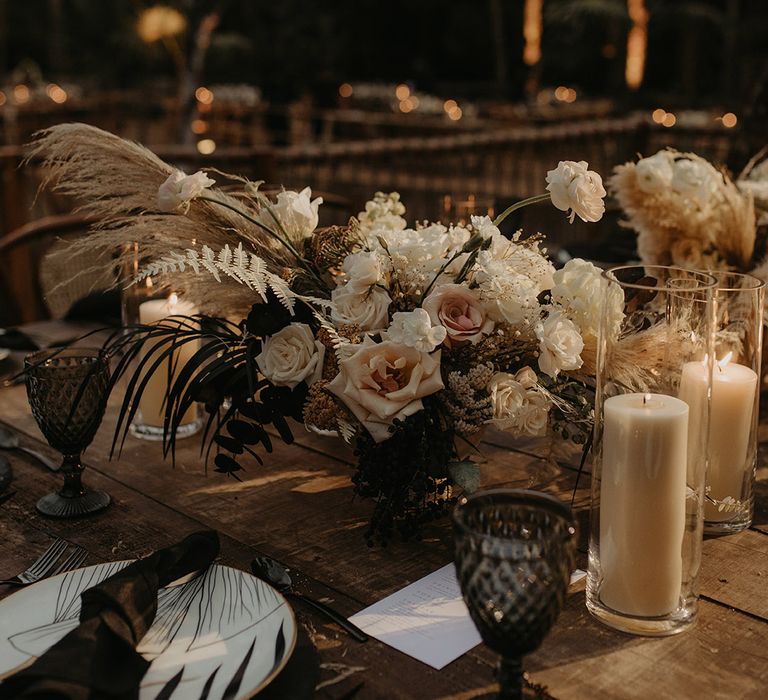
<point>299,508</point>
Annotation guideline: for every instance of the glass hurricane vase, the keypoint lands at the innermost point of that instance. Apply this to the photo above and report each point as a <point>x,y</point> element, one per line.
<point>652,407</point>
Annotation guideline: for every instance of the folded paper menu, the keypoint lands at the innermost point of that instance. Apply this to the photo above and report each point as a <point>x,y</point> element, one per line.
<point>427,620</point>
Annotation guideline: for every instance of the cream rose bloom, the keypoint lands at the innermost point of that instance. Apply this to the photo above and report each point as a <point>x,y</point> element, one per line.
<point>296,211</point>
<point>517,403</point>
<point>385,381</point>
<point>291,355</point>
<point>459,310</point>
<point>560,344</point>
<point>179,189</point>
<point>362,270</point>
<point>368,309</point>
<point>572,186</point>
<point>694,179</point>
<point>415,330</point>
<point>585,295</point>
<point>654,174</point>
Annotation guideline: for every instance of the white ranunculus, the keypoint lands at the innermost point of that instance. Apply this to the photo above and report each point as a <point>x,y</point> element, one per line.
<point>517,403</point>
<point>584,294</point>
<point>573,187</point>
<point>414,329</point>
<point>560,344</point>
<point>362,270</point>
<point>385,381</point>
<point>179,189</point>
<point>654,173</point>
<point>459,310</point>
<point>291,355</point>
<point>695,179</point>
<point>296,211</point>
<point>368,309</point>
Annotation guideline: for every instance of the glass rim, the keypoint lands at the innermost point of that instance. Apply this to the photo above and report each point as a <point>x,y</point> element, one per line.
<point>708,281</point>
<point>40,358</point>
<point>757,282</point>
<point>524,497</point>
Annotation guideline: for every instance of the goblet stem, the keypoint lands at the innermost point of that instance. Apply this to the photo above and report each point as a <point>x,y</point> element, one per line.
<point>72,468</point>
<point>511,678</point>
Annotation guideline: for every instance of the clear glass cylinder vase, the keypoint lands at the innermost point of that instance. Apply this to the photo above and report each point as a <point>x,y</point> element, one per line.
<point>728,499</point>
<point>652,403</point>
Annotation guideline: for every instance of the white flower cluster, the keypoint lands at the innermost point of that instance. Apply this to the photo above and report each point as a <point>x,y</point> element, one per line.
<point>667,172</point>
<point>383,211</point>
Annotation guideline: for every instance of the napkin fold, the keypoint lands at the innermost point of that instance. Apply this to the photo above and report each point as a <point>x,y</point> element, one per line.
<point>98,659</point>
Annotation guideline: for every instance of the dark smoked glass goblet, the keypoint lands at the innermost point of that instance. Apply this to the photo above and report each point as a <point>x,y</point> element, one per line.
<point>67,391</point>
<point>515,551</point>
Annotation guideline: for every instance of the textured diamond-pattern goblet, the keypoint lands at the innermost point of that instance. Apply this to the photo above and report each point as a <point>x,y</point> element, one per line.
<point>515,551</point>
<point>67,390</point>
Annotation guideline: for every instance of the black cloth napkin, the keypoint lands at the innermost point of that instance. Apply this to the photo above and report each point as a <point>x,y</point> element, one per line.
<point>98,659</point>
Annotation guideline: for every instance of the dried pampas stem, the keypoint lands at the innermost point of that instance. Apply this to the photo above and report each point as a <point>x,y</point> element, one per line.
<point>116,182</point>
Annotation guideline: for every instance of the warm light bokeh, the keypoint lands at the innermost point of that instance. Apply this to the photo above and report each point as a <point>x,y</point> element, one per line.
<point>637,44</point>
<point>532,28</point>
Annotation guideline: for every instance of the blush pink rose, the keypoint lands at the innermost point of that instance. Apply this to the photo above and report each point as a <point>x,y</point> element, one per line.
<point>459,310</point>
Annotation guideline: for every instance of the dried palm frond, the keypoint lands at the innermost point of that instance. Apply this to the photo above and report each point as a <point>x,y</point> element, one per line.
<point>116,181</point>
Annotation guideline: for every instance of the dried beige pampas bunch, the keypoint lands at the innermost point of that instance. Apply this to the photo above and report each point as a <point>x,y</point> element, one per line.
<point>142,203</point>
<point>686,212</point>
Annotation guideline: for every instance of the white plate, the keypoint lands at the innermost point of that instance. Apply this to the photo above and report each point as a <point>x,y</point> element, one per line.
<point>4,352</point>
<point>208,625</point>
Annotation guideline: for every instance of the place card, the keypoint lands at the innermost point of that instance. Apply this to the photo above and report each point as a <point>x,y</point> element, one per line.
<point>427,619</point>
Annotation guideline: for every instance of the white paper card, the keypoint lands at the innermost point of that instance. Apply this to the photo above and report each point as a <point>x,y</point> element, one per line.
<point>427,620</point>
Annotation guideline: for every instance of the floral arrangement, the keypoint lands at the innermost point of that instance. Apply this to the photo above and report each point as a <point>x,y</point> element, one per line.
<point>688,213</point>
<point>404,341</point>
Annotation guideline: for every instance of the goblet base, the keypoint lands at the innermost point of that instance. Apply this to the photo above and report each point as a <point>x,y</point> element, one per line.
<point>54,505</point>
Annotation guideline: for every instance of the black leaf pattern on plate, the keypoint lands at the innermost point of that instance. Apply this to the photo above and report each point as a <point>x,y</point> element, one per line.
<point>170,686</point>
<point>234,685</point>
<point>209,684</point>
<point>279,647</point>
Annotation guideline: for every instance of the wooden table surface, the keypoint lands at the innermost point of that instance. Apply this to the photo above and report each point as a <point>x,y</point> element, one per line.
<point>299,507</point>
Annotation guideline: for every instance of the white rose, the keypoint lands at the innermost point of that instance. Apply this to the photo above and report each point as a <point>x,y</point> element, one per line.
<point>572,186</point>
<point>508,295</point>
<point>517,403</point>
<point>584,294</point>
<point>178,189</point>
<point>654,173</point>
<point>459,310</point>
<point>362,269</point>
<point>560,344</point>
<point>368,309</point>
<point>291,355</point>
<point>296,211</point>
<point>414,329</point>
<point>695,179</point>
<point>385,381</point>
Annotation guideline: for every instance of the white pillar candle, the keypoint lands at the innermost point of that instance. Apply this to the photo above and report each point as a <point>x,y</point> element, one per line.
<point>152,402</point>
<point>642,503</point>
<point>730,424</point>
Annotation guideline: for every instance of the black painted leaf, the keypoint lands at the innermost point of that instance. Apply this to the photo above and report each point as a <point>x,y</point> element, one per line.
<point>225,464</point>
<point>229,444</point>
<point>256,411</point>
<point>246,433</point>
<point>284,429</point>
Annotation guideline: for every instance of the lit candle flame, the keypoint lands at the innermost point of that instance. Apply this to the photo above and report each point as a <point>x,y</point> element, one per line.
<point>173,300</point>
<point>722,364</point>
<point>646,398</point>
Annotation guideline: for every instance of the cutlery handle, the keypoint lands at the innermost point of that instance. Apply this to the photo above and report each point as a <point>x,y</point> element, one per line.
<point>351,629</point>
<point>40,458</point>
